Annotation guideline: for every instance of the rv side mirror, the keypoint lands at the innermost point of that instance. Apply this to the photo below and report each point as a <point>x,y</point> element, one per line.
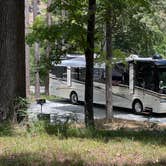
<point>161,85</point>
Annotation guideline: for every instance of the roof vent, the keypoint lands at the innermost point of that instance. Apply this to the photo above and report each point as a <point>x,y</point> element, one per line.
<point>157,56</point>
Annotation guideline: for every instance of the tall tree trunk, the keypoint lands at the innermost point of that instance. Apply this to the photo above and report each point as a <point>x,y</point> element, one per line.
<point>12,55</point>
<point>27,50</point>
<point>37,55</point>
<point>89,55</point>
<point>48,50</point>
<point>109,112</point>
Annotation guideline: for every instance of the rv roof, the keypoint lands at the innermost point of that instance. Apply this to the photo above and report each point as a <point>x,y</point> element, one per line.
<point>158,62</point>
<point>73,60</point>
<point>77,61</point>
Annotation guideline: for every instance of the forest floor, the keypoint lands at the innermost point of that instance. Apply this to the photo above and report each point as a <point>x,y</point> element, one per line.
<point>118,142</point>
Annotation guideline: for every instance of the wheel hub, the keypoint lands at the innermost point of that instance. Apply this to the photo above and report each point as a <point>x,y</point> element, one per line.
<point>138,107</point>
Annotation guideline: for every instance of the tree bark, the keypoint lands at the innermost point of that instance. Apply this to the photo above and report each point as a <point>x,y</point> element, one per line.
<point>48,50</point>
<point>89,56</point>
<point>37,55</point>
<point>37,77</point>
<point>12,55</point>
<point>109,112</point>
<point>27,50</point>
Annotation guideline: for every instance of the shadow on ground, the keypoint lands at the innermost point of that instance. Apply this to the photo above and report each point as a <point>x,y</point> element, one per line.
<point>37,159</point>
<point>158,163</point>
<point>156,137</point>
<point>6,129</point>
<point>34,159</point>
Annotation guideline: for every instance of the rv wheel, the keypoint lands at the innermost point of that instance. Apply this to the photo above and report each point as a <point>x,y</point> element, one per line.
<point>74,98</point>
<point>137,106</point>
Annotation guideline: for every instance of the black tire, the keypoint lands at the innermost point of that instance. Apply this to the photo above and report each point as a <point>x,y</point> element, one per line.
<point>74,98</point>
<point>137,107</point>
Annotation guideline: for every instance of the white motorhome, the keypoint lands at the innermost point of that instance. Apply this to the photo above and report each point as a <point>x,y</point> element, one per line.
<point>140,84</point>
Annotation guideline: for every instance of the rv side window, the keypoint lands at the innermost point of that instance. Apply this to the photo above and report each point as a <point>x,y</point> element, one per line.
<point>120,74</point>
<point>78,74</point>
<point>60,72</point>
<point>82,73</point>
<point>99,75</point>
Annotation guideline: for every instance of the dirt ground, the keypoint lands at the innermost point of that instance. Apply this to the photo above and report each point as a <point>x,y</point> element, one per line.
<point>116,123</point>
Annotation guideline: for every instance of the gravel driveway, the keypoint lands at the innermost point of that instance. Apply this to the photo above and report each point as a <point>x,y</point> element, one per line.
<point>64,107</point>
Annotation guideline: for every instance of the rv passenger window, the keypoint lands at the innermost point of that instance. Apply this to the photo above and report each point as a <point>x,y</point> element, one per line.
<point>162,77</point>
<point>162,80</point>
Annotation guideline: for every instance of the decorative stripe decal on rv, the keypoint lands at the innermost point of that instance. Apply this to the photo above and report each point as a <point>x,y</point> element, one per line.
<point>121,95</point>
<point>150,92</point>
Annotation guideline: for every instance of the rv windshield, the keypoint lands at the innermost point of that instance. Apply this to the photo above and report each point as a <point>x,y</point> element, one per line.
<point>162,78</point>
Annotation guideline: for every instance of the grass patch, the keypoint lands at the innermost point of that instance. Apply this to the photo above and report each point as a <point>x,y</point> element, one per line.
<point>64,144</point>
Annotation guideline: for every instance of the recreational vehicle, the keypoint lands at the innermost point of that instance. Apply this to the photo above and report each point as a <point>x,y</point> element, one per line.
<point>139,84</point>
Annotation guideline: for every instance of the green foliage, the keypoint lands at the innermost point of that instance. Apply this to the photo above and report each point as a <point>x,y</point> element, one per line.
<point>118,54</point>
<point>67,130</point>
<point>37,127</point>
<point>138,27</point>
<point>68,33</point>
<point>60,125</point>
<point>20,107</point>
<point>133,26</point>
<point>6,129</point>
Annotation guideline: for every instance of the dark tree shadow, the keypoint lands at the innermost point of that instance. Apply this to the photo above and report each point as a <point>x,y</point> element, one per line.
<point>157,137</point>
<point>34,159</point>
<point>37,159</point>
<point>6,129</point>
<point>158,163</point>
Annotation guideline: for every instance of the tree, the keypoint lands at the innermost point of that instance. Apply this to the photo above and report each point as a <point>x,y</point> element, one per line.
<point>89,55</point>
<point>12,55</point>
<point>48,49</point>
<point>75,36</point>
<point>36,52</point>
<point>108,66</point>
<point>76,32</point>
<point>27,50</point>
<point>113,11</point>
